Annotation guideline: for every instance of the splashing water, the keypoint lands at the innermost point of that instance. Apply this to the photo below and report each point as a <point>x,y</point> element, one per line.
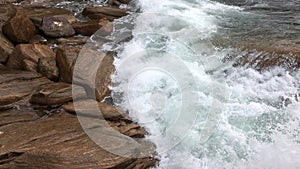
<point>200,111</point>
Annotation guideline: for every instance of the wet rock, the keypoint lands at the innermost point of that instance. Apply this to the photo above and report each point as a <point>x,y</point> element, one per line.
<point>6,48</point>
<point>80,40</point>
<point>19,29</point>
<point>26,56</point>
<point>110,13</point>
<point>66,57</point>
<point>54,26</point>
<point>37,14</point>
<point>17,86</point>
<point>7,1</point>
<point>38,39</point>
<point>90,27</point>
<point>6,13</point>
<point>60,142</point>
<point>108,112</point>
<point>55,94</point>
<point>47,67</point>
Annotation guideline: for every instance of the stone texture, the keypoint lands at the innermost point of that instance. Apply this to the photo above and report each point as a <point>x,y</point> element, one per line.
<point>58,141</point>
<point>19,29</point>
<point>6,13</point>
<point>79,40</point>
<point>110,13</point>
<point>36,14</point>
<point>17,86</point>
<point>55,94</point>
<point>6,48</point>
<point>38,39</point>
<point>90,27</point>
<point>26,56</point>
<point>54,26</point>
<point>47,67</point>
<point>93,70</point>
<point>66,57</point>
<point>108,112</point>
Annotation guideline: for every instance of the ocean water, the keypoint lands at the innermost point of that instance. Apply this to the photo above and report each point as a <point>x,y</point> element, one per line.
<point>200,110</point>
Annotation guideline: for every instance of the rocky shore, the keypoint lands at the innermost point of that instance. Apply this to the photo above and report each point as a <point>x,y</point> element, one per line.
<point>38,124</point>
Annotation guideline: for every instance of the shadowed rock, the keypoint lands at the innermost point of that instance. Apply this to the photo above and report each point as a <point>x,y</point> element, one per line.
<point>47,67</point>
<point>6,13</point>
<point>6,48</point>
<point>19,29</point>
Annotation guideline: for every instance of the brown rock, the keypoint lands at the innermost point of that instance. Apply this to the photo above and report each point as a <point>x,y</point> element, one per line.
<point>7,1</point>
<point>59,142</point>
<point>47,67</point>
<point>66,57</point>
<point>108,112</point>
<point>110,13</point>
<point>2,67</point>
<point>17,85</point>
<point>19,29</point>
<point>6,13</point>
<point>54,26</point>
<point>6,48</point>
<point>55,94</point>
<point>26,56</point>
<point>37,14</point>
<point>80,40</point>
<point>38,39</point>
<point>90,27</point>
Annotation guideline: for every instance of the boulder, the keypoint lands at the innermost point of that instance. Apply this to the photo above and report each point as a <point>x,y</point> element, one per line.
<point>93,70</point>
<point>19,29</point>
<point>90,27</point>
<point>47,67</point>
<point>17,86</point>
<point>6,48</point>
<point>26,56</point>
<point>66,57</point>
<point>100,12</point>
<point>54,26</point>
<point>55,94</point>
<point>6,13</point>
<point>7,1</point>
<point>36,14</point>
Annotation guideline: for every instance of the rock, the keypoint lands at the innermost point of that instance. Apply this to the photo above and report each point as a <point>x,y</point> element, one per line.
<point>47,67</point>
<point>6,13</point>
<point>7,1</point>
<point>26,56</point>
<point>17,86</point>
<point>93,70</point>
<point>19,29</point>
<point>2,67</point>
<point>100,12</point>
<point>66,57</point>
<point>6,48</point>
<point>55,94</point>
<point>108,112</point>
<point>37,14</point>
<point>38,39</point>
<point>80,40</point>
<point>54,26</point>
<point>59,142</point>
<point>90,27</point>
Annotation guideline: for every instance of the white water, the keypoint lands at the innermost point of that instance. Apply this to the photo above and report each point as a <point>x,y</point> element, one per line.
<point>201,112</point>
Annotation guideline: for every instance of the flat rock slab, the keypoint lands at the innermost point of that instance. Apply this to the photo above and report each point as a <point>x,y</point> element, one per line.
<point>6,48</point>
<point>18,85</point>
<point>56,142</point>
<point>56,94</point>
<point>110,13</point>
<point>55,26</point>
<point>90,27</point>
